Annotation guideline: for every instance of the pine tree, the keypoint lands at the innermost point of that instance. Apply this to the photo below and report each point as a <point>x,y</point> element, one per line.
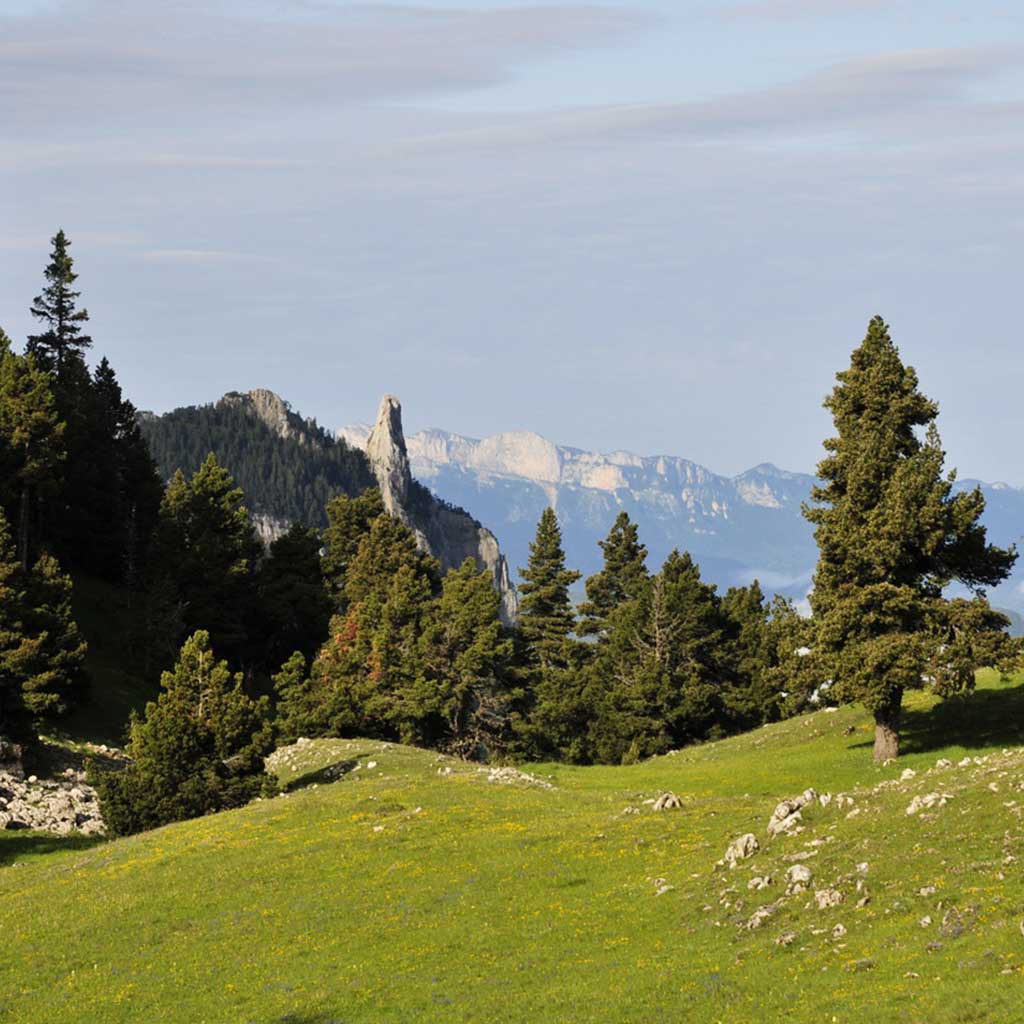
<point>207,550</point>
<point>62,340</point>
<point>466,655</point>
<point>294,607</point>
<point>199,748</point>
<point>18,649</point>
<point>891,535</point>
<point>660,680</point>
<point>748,656</point>
<point>56,679</point>
<point>31,446</point>
<point>546,617</point>
<point>620,579</point>
<point>348,521</point>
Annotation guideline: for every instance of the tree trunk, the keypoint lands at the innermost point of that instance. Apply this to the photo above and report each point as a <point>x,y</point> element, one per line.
<point>887,733</point>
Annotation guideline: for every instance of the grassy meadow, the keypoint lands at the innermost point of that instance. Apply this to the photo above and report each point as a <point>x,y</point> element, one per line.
<point>390,884</point>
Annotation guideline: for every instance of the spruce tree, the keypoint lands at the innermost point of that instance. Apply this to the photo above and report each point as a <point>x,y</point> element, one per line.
<point>463,692</point>
<point>199,747</point>
<point>348,521</point>
<point>546,616</point>
<point>620,579</point>
<point>62,340</point>
<point>56,679</point>
<point>205,556</point>
<point>294,608</point>
<point>662,678</point>
<point>891,535</point>
<point>18,649</point>
<point>31,447</point>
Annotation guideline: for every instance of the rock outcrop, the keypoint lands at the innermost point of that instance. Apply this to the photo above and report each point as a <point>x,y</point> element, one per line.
<point>60,806</point>
<point>450,534</point>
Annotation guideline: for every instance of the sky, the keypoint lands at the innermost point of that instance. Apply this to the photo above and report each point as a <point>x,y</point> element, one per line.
<point>655,226</point>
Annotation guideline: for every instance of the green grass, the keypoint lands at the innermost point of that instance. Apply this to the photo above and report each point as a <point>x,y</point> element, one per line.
<point>398,894</point>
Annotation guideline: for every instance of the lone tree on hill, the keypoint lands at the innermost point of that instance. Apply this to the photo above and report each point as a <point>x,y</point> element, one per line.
<point>891,536</point>
<point>63,337</point>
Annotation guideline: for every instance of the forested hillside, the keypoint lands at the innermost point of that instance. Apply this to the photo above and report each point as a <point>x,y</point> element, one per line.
<point>288,471</point>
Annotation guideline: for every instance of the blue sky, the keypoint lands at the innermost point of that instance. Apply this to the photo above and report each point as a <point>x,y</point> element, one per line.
<point>653,226</point>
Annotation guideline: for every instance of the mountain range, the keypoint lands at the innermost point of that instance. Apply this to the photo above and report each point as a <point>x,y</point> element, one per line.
<point>737,527</point>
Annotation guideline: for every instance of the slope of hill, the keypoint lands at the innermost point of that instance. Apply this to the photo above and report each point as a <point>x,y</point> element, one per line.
<point>737,527</point>
<point>392,884</point>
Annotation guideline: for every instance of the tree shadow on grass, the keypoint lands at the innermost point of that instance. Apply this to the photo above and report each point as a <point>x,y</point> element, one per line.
<point>16,845</point>
<point>321,776</point>
<point>983,718</point>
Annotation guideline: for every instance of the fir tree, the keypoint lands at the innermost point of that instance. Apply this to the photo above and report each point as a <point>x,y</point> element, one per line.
<point>546,616</point>
<point>207,550</point>
<point>746,696</point>
<point>62,340</point>
<point>55,680</point>
<point>891,535</point>
<point>620,579</point>
<point>31,446</point>
<point>199,748</point>
<point>662,675</point>
<point>18,649</point>
<point>348,521</point>
<point>466,655</point>
<point>294,608</point>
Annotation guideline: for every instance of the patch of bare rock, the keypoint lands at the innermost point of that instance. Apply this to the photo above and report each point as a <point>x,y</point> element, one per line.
<point>62,806</point>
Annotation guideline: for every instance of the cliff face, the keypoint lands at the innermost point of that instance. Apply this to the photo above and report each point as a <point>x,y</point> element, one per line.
<point>449,534</point>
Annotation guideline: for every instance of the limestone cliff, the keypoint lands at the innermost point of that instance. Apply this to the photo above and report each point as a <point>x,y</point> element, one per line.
<point>450,534</point>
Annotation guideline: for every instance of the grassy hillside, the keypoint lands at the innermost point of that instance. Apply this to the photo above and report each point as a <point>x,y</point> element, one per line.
<point>391,884</point>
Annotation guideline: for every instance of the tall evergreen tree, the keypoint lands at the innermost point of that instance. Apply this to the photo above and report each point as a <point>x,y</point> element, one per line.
<point>31,447</point>
<point>891,535</point>
<point>295,609</point>
<point>18,649</point>
<point>206,550</point>
<point>62,339</point>
<point>620,579</point>
<point>463,692</point>
<point>56,679</point>
<point>348,521</point>
<point>664,671</point>
<point>546,618</point>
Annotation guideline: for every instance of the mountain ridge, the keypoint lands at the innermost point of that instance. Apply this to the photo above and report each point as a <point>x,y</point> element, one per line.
<point>738,527</point>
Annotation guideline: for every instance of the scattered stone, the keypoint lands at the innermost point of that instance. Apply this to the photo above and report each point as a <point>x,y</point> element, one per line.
<point>926,890</point>
<point>628,810</point>
<point>759,882</point>
<point>925,921</point>
<point>786,939</point>
<point>863,902</point>
<point>955,922</point>
<point>828,898</point>
<point>667,802</point>
<point>798,878</point>
<point>921,803</point>
<point>786,817</point>
<point>838,931</point>
<point>943,762</point>
<point>740,849</point>
<point>509,776</point>
<point>907,774</point>
<point>371,764</point>
<point>759,917</point>
<point>861,965</point>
